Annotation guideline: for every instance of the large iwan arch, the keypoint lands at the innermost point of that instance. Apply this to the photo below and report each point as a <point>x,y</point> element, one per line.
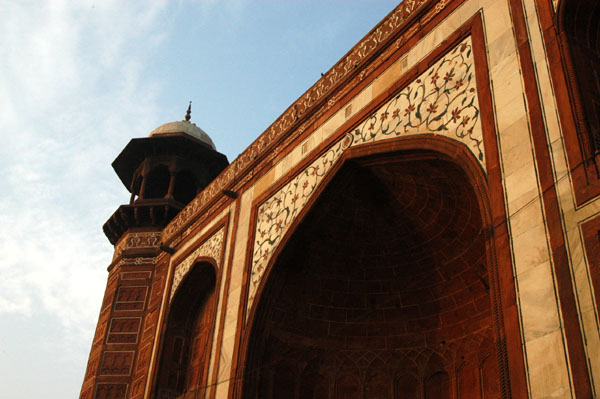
<point>423,222</point>
<point>388,282</point>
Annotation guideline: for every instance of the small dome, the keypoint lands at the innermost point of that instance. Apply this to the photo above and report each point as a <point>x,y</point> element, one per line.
<point>186,127</point>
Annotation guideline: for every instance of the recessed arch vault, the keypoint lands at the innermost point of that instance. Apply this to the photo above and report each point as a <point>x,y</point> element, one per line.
<point>391,264</point>
<point>185,351</point>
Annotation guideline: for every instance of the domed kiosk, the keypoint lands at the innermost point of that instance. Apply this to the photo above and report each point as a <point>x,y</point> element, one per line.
<point>186,127</point>
<point>163,172</point>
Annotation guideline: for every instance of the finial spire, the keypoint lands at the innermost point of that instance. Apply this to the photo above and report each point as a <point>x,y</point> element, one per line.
<point>188,114</point>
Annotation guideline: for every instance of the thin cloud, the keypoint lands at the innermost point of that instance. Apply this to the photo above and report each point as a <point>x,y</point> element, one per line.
<point>74,92</point>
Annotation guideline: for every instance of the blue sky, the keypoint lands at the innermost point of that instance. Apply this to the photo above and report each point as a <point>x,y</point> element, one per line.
<point>78,80</point>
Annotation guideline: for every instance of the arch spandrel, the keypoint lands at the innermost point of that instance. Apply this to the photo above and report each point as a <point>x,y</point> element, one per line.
<point>442,101</point>
<point>211,248</point>
<point>378,270</point>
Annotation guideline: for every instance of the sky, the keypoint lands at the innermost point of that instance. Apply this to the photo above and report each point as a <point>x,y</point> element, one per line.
<point>78,80</point>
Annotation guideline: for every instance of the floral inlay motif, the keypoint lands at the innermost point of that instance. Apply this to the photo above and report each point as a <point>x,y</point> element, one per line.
<point>443,100</point>
<point>332,79</point>
<point>210,248</point>
<point>276,214</point>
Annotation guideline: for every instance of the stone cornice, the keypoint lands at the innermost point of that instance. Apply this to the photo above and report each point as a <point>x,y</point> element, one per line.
<point>292,119</point>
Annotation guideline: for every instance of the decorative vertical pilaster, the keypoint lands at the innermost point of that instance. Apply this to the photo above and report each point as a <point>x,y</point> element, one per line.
<point>127,322</point>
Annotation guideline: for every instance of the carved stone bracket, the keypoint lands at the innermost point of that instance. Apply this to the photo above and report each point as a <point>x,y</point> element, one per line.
<point>138,240</point>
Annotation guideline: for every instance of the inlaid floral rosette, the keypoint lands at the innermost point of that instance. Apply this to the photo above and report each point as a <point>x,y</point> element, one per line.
<point>441,101</point>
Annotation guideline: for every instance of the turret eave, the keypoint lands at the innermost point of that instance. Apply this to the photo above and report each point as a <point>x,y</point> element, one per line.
<point>140,148</point>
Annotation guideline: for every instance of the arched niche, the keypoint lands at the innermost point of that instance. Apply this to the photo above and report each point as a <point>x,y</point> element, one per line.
<point>392,259</point>
<point>438,386</point>
<point>579,29</point>
<point>185,187</point>
<point>379,382</point>
<point>186,344</point>
<point>157,181</point>
<point>347,380</point>
<point>406,386</point>
<point>313,383</point>
<point>468,381</point>
<point>490,386</point>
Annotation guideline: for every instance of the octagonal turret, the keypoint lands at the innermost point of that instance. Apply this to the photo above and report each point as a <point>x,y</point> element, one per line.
<point>163,172</point>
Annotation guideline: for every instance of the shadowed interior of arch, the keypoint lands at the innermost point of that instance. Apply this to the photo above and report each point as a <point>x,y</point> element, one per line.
<point>580,31</point>
<point>157,182</point>
<point>381,291</point>
<point>186,342</point>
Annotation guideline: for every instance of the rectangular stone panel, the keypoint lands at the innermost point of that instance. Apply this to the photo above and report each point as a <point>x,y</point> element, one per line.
<point>135,275</point>
<point>124,306</point>
<point>100,330</point>
<point>92,367</point>
<point>132,293</point>
<point>111,391</point>
<point>117,363</point>
<point>124,330</point>
<point>86,394</point>
<point>131,298</point>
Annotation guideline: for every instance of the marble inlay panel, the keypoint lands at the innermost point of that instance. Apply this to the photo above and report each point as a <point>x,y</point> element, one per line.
<point>210,248</point>
<point>441,101</point>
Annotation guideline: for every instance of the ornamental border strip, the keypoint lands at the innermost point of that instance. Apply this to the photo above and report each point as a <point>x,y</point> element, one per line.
<point>375,40</point>
<point>138,240</point>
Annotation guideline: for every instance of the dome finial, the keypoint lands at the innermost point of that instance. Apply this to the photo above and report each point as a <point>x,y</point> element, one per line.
<point>188,114</point>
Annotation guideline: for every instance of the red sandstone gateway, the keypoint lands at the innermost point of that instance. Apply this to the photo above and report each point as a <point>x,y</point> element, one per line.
<point>424,222</point>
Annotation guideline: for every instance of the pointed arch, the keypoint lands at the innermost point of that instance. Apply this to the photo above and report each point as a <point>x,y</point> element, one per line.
<point>187,340</point>
<point>378,381</point>
<point>156,184</point>
<point>185,186</point>
<point>406,386</point>
<point>433,314</point>
<point>314,384</point>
